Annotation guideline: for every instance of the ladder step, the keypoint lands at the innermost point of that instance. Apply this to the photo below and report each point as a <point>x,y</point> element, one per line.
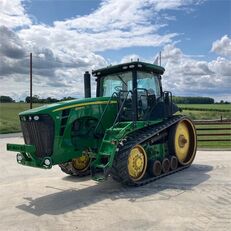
<point>116,129</point>
<point>107,141</point>
<point>104,154</point>
<point>98,178</point>
<point>100,166</point>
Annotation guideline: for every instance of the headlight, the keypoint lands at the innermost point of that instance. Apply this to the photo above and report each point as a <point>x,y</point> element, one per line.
<point>47,162</point>
<point>19,157</point>
<point>36,118</point>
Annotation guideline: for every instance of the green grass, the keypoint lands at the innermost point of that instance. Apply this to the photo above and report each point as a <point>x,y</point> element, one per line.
<point>9,120</point>
<point>206,111</point>
<point>206,115</point>
<point>218,107</point>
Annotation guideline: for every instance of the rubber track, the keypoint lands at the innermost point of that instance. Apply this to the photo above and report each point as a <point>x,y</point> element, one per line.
<point>70,170</point>
<point>139,137</point>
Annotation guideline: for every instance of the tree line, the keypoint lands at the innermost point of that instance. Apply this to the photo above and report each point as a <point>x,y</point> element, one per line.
<point>176,99</point>
<point>192,100</point>
<point>35,99</point>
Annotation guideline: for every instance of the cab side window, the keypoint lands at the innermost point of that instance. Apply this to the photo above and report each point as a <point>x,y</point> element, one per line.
<point>149,82</point>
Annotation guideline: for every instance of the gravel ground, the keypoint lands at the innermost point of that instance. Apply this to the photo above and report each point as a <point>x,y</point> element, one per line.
<point>198,198</point>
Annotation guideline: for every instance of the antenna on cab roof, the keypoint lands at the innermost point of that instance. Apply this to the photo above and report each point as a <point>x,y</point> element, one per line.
<point>157,60</point>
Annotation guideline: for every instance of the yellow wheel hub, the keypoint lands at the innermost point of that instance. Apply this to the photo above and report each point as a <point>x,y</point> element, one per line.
<point>185,141</point>
<point>137,163</point>
<point>182,141</point>
<point>81,163</point>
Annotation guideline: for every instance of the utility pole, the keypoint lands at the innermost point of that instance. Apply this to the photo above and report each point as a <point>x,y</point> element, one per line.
<point>30,80</point>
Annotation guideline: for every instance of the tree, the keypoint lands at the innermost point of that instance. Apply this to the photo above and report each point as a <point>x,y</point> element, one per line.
<point>35,99</point>
<point>192,100</point>
<point>67,98</point>
<point>6,99</point>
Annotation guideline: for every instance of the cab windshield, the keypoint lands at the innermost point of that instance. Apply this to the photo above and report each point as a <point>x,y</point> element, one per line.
<point>115,83</point>
<point>123,82</point>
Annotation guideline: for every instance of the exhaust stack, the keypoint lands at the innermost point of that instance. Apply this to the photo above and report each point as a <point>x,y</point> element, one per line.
<point>87,84</point>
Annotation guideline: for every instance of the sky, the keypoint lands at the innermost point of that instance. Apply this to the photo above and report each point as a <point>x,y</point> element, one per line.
<point>69,37</point>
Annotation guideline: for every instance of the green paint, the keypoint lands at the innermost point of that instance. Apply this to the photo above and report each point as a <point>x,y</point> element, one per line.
<point>21,148</point>
<point>156,151</point>
<point>68,145</point>
<point>87,125</point>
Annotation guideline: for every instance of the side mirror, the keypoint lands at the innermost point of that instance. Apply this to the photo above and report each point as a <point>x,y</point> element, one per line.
<point>142,96</point>
<point>151,100</point>
<point>166,97</point>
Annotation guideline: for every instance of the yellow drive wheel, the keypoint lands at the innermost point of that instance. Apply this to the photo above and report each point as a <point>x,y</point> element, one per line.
<point>137,163</point>
<point>183,141</point>
<point>81,163</point>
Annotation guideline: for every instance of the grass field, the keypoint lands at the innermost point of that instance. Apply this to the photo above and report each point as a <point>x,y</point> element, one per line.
<point>222,107</point>
<point>206,115</point>
<point>206,111</point>
<point>9,121</point>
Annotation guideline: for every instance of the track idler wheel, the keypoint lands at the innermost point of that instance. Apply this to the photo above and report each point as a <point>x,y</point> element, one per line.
<point>173,163</point>
<point>155,168</point>
<point>137,163</point>
<point>82,163</point>
<point>77,167</point>
<point>182,141</point>
<point>165,165</point>
<point>130,166</point>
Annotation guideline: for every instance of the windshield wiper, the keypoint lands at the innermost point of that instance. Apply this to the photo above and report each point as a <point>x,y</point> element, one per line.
<point>121,79</point>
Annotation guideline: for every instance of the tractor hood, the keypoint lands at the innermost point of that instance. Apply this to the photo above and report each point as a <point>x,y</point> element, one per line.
<point>56,107</point>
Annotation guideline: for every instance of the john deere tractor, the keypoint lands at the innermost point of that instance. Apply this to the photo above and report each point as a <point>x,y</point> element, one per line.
<point>129,131</point>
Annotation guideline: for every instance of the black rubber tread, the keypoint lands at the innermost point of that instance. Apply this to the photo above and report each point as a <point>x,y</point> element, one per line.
<point>65,168</point>
<point>119,170</point>
<point>70,170</point>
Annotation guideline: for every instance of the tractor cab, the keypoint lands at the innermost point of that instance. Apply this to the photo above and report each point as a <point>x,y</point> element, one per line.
<point>137,88</point>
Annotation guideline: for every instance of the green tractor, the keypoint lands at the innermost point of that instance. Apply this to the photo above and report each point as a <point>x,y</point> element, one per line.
<point>129,131</point>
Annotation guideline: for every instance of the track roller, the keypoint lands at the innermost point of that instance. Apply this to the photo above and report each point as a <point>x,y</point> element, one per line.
<point>155,168</point>
<point>173,163</point>
<point>165,165</point>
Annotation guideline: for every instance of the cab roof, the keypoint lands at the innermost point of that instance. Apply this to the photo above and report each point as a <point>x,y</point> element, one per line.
<point>141,66</point>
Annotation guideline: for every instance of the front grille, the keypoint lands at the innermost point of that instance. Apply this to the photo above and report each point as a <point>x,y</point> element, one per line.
<point>39,131</point>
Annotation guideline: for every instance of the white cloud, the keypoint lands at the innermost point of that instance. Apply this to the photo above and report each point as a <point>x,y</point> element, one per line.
<point>192,77</point>
<point>10,44</point>
<point>172,4</point>
<point>222,46</point>
<point>13,14</point>
<point>117,14</point>
<point>63,51</point>
<point>187,76</point>
<point>222,66</point>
